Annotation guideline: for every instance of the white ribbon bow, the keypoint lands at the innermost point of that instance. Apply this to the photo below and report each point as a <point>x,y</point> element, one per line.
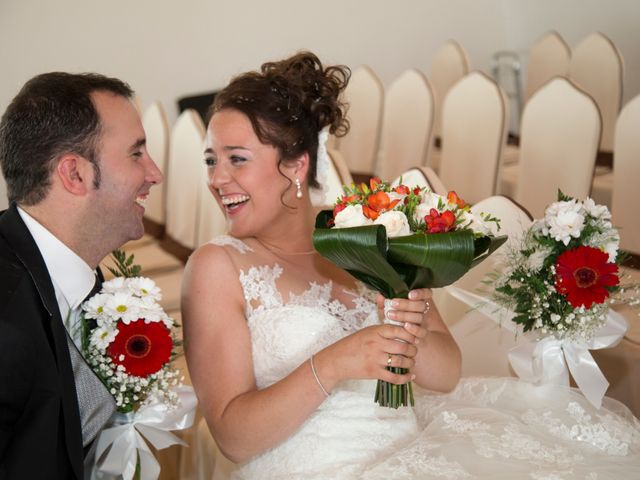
<point>118,447</point>
<point>547,360</point>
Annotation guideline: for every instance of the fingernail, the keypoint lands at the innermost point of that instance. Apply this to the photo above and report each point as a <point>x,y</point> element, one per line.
<point>417,341</point>
<point>413,295</point>
<point>413,376</point>
<point>395,303</point>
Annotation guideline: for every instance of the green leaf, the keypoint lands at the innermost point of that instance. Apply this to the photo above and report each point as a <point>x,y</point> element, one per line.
<point>395,266</point>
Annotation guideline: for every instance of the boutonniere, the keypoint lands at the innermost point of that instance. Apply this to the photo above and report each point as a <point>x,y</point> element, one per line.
<point>130,343</point>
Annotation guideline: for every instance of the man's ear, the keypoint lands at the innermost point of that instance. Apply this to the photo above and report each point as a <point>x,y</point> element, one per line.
<point>75,173</point>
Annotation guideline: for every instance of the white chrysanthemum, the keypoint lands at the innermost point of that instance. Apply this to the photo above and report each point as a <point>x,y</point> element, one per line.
<point>124,306</point>
<point>144,287</point>
<point>596,211</point>
<point>395,223</point>
<point>351,216</point>
<point>102,336</point>
<point>94,307</point>
<point>564,220</point>
<point>114,285</point>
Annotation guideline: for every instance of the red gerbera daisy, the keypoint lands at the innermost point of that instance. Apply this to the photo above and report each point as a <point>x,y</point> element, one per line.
<point>583,275</point>
<point>146,347</point>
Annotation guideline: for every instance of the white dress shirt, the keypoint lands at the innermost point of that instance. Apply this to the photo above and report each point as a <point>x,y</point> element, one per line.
<point>72,278</point>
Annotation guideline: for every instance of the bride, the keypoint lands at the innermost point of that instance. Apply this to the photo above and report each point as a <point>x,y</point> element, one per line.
<point>284,348</point>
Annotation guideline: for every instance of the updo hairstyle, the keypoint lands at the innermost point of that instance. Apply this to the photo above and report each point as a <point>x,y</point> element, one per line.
<point>289,102</point>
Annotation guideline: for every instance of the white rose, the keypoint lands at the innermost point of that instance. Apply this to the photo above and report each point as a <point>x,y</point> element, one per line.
<point>429,200</point>
<point>477,224</point>
<point>351,216</point>
<point>395,222</point>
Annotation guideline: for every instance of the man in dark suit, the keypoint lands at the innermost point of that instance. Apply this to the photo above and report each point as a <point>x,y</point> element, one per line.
<point>72,150</point>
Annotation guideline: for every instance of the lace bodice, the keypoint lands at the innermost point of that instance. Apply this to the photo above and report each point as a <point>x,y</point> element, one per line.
<point>499,428</point>
<point>283,334</point>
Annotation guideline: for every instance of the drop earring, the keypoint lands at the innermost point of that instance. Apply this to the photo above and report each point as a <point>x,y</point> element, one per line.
<point>298,188</point>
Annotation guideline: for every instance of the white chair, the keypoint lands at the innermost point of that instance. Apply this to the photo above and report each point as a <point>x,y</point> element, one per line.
<point>450,64</point>
<point>211,219</point>
<point>186,163</point>
<point>548,57</point>
<point>560,133</point>
<point>365,96</point>
<point>618,188</point>
<point>422,177</point>
<point>156,128</point>
<point>483,341</point>
<point>407,125</point>
<point>596,66</point>
<point>337,176</point>
<point>474,130</point>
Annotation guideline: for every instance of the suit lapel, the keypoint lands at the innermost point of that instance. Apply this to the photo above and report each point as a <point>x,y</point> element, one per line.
<point>17,235</point>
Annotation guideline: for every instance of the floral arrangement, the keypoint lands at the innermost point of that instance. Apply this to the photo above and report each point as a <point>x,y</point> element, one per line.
<point>563,277</point>
<point>397,238</point>
<point>130,342</point>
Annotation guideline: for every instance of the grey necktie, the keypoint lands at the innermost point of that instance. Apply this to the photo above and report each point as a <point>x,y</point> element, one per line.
<point>94,401</point>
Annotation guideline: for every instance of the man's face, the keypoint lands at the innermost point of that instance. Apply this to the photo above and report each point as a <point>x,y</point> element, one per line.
<point>127,171</point>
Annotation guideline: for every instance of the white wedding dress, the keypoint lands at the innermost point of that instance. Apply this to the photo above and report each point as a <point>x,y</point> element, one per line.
<point>487,428</point>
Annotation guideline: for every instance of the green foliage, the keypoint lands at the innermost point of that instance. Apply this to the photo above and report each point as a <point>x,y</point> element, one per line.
<point>124,265</point>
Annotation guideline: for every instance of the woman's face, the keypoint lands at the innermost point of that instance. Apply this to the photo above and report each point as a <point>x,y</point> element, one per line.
<point>244,177</point>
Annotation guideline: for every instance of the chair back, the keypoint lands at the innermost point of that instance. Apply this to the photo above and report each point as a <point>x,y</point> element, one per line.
<point>156,128</point>
<point>407,125</point>
<point>365,96</point>
<point>211,219</point>
<point>337,176</point>
<point>483,341</point>
<point>184,175</point>
<point>450,64</point>
<point>422,177</point>
<point>549,57</point>
<point>474,130</point>
<point>559,141</point>
<point>626,175</point>
<point>596,67</point>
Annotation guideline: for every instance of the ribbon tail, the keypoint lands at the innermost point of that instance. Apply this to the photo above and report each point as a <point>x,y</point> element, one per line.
<point>584,369</point>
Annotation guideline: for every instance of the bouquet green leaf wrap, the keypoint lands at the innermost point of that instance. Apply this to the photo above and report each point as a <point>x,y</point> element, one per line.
<point>394,266</point>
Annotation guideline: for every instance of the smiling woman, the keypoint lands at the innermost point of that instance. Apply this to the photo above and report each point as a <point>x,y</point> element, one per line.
<point>284,348</point>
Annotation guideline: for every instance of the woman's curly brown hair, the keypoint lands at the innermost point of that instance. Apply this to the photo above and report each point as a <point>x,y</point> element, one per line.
<point>289,102</point>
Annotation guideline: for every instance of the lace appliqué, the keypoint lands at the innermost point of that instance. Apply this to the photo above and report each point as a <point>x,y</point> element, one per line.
<point>261,293</point>
<point>239,245</point>
<point>607,432</point>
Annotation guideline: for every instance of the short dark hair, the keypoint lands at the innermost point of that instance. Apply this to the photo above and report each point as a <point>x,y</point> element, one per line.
<point>288,102</point>
<point>53,114</point>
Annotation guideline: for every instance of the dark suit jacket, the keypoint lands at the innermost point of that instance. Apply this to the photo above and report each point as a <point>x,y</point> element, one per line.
<point>40,432</point>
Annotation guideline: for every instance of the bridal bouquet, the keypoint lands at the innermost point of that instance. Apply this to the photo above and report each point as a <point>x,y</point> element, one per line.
<point>395,239</point>
<point>560,282</point>
<point>130,342</point>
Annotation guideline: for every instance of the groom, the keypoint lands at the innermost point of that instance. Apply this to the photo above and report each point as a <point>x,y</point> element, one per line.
<point>72,150</point>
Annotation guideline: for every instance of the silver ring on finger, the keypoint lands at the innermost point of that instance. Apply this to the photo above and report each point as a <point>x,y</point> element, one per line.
<point>389,358</point>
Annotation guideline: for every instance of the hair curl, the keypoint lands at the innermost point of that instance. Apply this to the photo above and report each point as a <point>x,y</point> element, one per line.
<point>289,102</point>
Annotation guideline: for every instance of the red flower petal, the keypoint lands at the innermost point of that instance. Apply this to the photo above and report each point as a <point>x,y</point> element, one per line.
<point>583,275</point>
<point>146,347</point>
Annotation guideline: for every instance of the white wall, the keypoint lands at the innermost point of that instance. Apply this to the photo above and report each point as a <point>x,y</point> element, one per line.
<point>167,49</point>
